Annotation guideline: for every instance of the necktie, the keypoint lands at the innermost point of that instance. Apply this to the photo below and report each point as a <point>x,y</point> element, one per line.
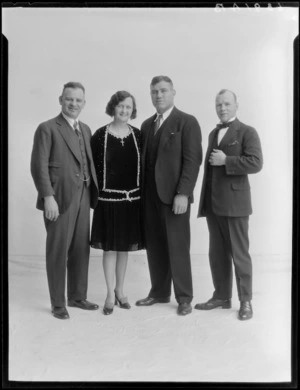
<point>157,123</point>
<point>76,128</point>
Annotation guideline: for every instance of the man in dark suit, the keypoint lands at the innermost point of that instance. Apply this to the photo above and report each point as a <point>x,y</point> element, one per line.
<point>64,175</point>
<point>171,158</point>
<point>234,151</point>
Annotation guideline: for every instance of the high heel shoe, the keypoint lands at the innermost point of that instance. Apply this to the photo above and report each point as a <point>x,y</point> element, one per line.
<point>122,302</point>
<point>108,309</point>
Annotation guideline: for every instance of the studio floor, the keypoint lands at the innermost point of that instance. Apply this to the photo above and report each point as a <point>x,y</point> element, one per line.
<point>149,344</point>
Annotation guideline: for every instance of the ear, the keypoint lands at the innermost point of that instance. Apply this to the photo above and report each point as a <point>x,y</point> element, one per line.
<point>60,100</point>
<point>174,92</point>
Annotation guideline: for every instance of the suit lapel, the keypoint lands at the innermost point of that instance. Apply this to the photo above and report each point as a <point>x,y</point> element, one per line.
<point>146,134</point>
<point>168,127</point>
<point>65,131</point>
<point>210,144</point>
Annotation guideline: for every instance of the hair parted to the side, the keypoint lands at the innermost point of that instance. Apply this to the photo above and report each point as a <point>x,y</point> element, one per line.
<point>116,99</point>
<point>158,79</point>
<point>74,85</point>
<point>227,90</point>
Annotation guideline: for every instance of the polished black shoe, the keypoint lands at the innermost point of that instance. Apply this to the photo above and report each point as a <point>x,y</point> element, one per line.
<point>60,312</point>
<point>83,304</point>
<point>151,301</point>
<point>122,302</point>
<point>184,309</point>
<point>213,303</point>
<point>245,312</point>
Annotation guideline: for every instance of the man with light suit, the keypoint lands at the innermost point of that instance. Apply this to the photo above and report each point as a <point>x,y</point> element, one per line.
<point>171,158</point>
<point>64,175</point>
<point>234,151</point>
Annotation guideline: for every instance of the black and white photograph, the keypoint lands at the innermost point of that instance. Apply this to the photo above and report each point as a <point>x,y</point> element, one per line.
<point>150,193</point>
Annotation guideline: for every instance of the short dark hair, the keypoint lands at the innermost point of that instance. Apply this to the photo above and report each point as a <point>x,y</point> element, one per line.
<point>73,84</point>
<point>158,79</point>
<point>227,90</point>
<point>116,99</point>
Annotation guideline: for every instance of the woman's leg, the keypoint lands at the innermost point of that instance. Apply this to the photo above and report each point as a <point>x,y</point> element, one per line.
<point>109,267</point>
<point>121,267</point>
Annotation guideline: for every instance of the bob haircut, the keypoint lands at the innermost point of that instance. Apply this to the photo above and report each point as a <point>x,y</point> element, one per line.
<point>73,84</point>
<point>116,99</point>
<point>158,79</point>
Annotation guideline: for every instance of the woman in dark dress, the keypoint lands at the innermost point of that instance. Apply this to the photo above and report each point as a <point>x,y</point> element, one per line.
<point>117,224</point>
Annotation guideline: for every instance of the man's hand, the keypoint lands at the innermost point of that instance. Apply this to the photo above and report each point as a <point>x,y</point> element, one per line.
<point>51,208</point>
<point>217,157</point>
<point>180,204</point>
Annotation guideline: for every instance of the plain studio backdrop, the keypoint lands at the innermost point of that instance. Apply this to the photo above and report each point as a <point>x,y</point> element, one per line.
<point>249,51</point>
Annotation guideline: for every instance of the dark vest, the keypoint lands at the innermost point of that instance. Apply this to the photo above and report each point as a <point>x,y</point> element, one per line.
<point>85,171</point>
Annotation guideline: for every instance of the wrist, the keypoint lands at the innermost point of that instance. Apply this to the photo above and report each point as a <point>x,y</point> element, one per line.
<point>180,194</point>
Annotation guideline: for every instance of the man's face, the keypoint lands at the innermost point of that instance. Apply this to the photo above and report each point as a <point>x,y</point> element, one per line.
<point>72,102</point>
<point>162,95</point>
<point>226,106</point>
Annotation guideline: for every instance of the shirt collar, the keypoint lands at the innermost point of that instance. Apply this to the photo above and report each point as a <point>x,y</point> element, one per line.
<point>165,115</point>
<point>230,120</point>
<point>71,121</point>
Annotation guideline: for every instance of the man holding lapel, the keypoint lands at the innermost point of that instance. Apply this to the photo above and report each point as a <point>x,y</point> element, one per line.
<point>234,151</point>
<point>171,158</point>
<point>64,175</point>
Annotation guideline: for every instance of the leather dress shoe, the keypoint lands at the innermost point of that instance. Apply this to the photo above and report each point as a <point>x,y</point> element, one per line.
<point>213,303</point>
<point>83,304</point>
<point>184,309</point>
<point>151,301</point>
<point>60,312</point>
<point>245,312</point>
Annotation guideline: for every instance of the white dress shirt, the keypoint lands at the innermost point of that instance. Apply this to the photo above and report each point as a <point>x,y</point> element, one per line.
<point>223,131</point>
<point>71,121</point>
<point>164,116</point>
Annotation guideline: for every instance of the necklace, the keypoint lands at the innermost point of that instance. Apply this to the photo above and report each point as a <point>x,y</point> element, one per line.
<point>118,136</point>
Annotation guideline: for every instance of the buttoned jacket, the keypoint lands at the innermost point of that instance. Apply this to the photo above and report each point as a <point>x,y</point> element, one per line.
<point>56,163</point>
<point>179,155</point>
<point>230,191</point>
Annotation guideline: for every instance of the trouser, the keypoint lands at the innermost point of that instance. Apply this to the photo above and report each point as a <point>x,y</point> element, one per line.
<point>68,249</point>
<point>168,248</point>
<point>228,240</point>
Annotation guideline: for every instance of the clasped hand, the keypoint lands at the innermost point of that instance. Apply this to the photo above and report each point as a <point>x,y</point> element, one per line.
<point>217,157</point>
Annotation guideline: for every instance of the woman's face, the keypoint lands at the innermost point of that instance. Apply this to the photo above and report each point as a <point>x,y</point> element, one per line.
<point>123,110</point>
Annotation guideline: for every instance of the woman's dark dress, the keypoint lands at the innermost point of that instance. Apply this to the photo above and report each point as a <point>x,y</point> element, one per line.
<point>117,220</point>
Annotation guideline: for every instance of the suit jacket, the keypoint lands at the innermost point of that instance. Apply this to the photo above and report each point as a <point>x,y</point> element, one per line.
<point>179,155</point>
<point>230,184</point>
<point>55,163</point>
